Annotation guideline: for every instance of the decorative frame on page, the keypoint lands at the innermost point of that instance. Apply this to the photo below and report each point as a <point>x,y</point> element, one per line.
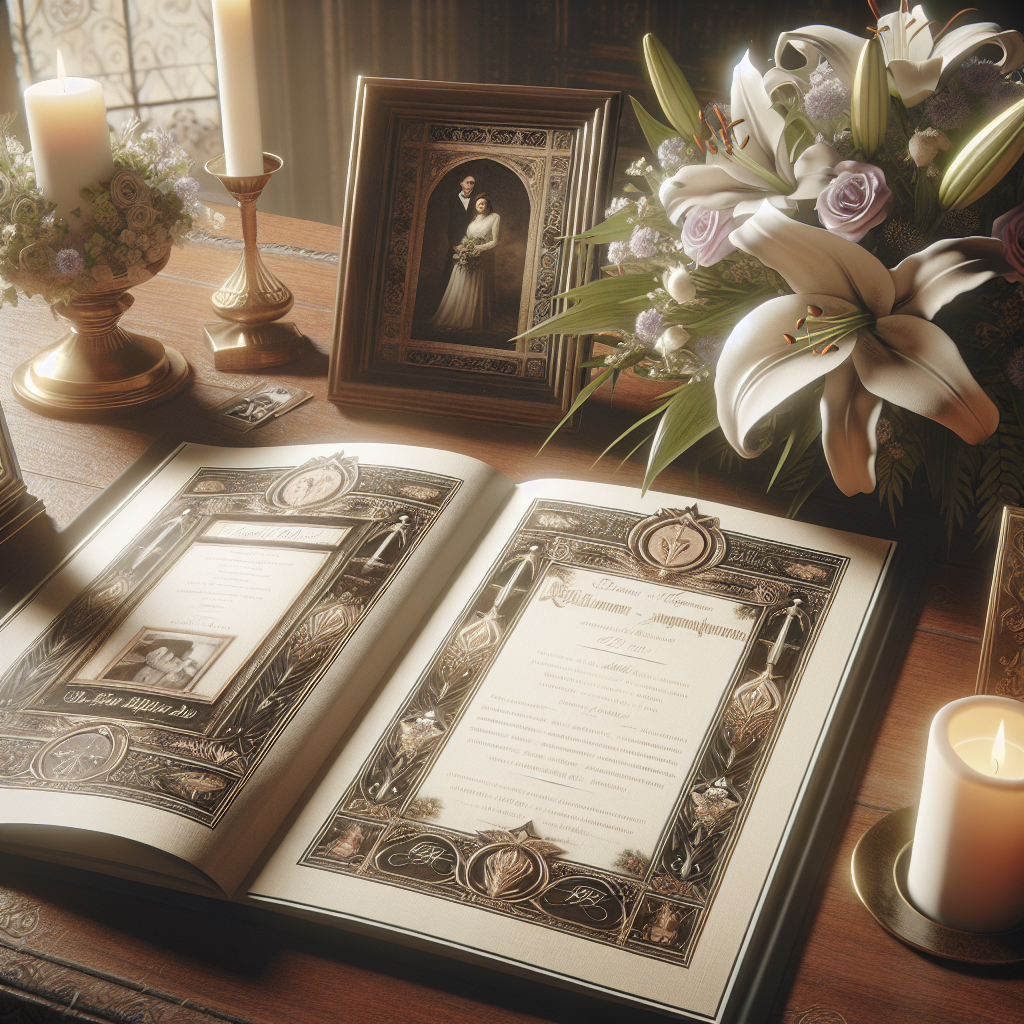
<point>633,587</point>
<point>130,692</point>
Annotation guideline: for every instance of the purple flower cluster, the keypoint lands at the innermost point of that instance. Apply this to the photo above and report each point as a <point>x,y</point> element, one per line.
<point>979,76</point>
<point>649,324</point>
<point>671,154</point>
<point>618,252</point>
<point>948,110</point>
<point>857,200</point>
<point>69,262</point>
<point>643,243</point>
<point>826,100</point>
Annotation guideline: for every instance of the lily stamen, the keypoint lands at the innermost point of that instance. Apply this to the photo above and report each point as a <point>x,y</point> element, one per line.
<point>942,31</point>
<point>814,311</point>
<point>700,145</point>
<point>874,9</point>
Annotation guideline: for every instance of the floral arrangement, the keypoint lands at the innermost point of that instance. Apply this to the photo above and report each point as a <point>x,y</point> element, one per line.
<point>830,267</point>
<point>123,226</point>
<point>466,255</point>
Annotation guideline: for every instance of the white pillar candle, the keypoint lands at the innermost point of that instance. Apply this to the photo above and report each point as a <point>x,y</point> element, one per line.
<point>967,865</point>
<point>69,136</point>
<point>239,95</point>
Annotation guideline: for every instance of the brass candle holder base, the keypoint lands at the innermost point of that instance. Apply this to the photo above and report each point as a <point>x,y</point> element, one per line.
<point>880,862</point>
<point>255,347</point>
<point>98,366</point>
<point>252,297</point>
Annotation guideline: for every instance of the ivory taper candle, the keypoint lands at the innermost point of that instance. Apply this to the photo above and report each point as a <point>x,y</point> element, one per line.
<point>69,136</point>
<point>239,93</point>
<point>967,865</point>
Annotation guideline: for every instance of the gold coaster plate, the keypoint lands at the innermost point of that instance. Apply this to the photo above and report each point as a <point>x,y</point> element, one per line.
<point>880,861</point>
<point>253,346</point>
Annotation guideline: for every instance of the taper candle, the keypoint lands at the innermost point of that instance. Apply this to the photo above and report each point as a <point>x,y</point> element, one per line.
<point>239,93</point>
<point>69,136</point>
<point>967,864</point>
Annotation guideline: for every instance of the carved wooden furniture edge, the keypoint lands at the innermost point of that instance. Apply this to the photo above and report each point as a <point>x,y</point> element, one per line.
<point>70,991</point>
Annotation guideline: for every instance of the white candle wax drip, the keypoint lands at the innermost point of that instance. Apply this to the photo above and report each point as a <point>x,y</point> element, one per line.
<point>70,138</point>
<point>967,864</point>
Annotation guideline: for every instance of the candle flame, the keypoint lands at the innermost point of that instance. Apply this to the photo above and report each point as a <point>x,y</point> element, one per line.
<point>999,747</point>
<point>61,74</point>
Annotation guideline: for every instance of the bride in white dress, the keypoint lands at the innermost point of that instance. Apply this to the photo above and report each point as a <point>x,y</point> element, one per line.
<point>466,304</point>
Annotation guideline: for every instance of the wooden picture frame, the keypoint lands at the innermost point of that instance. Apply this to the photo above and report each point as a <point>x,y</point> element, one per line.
<point>544,157</point>
<point>1001,668</point>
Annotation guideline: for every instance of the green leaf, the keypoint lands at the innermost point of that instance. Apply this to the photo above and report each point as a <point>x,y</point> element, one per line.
<point>623,286</point>
<point>806,427</point>
<point>691,414</point>
<point>603,317</point>
<point>654,131</point>
<point>586,392</point>
<point>616,228</point>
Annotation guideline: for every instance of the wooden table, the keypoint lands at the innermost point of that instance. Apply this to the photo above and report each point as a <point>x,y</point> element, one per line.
<point>83,947</point>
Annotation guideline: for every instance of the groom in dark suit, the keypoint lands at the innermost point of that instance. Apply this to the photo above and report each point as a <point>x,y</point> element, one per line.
<point>460,213</point>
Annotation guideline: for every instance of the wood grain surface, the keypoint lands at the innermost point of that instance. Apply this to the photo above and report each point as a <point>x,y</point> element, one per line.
<point>82,947</point>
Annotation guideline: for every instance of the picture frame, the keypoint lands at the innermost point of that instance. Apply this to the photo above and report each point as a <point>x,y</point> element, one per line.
<point>1001,668</point>
<point>417,330</point>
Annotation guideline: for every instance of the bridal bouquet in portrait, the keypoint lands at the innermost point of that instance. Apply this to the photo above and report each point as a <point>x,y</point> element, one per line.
<point>466,255</point>
<point>828,269</point>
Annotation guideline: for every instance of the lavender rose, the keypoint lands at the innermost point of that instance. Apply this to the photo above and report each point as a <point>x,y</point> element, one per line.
<point>1010,228</point>
<point>857,200</point>
<point>706,235</point>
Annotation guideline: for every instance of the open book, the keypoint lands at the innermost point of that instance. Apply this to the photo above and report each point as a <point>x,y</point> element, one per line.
<point>556,726</point>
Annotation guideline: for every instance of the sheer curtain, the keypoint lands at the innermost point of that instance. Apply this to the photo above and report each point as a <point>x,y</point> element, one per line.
<point>310,53</point>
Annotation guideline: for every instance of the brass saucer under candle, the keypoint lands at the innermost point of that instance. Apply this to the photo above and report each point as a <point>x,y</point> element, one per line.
<point>252,297</point>
<point>98,366</point>
<point>880,861</point>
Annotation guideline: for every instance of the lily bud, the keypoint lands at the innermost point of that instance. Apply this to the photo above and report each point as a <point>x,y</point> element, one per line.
<point>679,284</point>
<point>670,86</point>
<point>671,341</point>
<point>984,159</point>
<point>869,100</point>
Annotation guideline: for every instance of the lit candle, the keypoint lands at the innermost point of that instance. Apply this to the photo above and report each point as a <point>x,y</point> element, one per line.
<point>239,95</point>
<point>967,865</point>
<point>70,139</point>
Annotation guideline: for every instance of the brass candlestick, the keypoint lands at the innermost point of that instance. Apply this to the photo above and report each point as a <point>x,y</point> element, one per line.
<point>252,297</point>
<point>98,366</point>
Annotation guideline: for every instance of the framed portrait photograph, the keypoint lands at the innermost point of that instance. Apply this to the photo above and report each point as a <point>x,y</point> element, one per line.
<point>460,205</point>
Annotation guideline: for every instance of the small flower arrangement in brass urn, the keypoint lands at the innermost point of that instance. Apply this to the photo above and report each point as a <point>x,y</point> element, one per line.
<point>84,267</point>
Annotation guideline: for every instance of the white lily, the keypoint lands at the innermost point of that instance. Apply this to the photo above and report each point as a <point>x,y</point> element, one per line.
<point>868,332</point>
<point>918,62</point>
<point>740,175</point>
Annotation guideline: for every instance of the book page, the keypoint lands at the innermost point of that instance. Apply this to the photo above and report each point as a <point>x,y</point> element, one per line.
<point>587,760</point>
<point>179,679</point>
<point>575,721</point>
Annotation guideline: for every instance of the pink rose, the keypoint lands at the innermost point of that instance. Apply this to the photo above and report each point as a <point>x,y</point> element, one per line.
<point>857,200</point>
<point>1010,228</point>
<point>706,235</point>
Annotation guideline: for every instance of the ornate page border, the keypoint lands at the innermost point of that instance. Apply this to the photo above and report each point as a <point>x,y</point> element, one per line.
<point>163,762</point>
<point>655,907</point>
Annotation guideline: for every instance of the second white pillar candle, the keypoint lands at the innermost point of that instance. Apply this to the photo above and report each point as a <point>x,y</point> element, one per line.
<point>967,865</point>
<point>239,91</point>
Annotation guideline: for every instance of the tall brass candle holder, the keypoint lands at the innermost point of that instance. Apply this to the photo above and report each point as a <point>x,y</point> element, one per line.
<point>252,298</point>
<point>98,366</point>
